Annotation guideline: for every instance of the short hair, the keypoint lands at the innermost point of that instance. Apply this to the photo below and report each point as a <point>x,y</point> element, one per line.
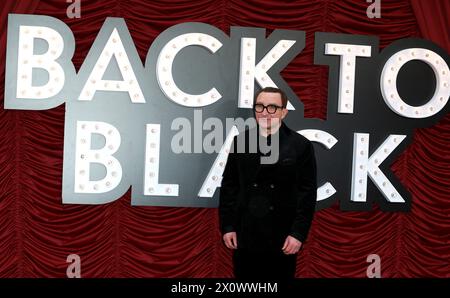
<point>283,95</point>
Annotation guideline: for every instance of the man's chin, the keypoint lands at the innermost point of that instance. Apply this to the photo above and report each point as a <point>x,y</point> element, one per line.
<point>265,124</point>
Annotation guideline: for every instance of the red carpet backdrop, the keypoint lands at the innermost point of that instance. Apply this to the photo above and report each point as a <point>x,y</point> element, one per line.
<point>38,232</point>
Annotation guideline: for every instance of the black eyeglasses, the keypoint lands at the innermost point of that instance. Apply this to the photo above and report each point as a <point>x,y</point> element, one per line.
<point>271,109</point>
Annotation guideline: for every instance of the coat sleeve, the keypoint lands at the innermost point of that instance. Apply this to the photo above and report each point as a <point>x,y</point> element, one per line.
<point>306,193</point>
<point>229,192</point>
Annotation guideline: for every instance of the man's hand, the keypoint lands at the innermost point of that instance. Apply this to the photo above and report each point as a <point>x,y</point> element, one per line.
<point>291,245</point>
<point>230,240</point>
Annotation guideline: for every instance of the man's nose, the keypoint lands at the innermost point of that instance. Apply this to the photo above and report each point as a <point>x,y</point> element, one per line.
<point>264,112</point>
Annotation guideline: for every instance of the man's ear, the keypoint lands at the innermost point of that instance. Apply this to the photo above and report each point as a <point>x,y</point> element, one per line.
<point>284,113</point>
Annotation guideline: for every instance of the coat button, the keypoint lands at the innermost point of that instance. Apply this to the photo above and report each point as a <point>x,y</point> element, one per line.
<point>255,184</point>
<point>272,186</point>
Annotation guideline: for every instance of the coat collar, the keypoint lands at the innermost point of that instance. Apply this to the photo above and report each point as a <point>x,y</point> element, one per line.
<point>283,131</point>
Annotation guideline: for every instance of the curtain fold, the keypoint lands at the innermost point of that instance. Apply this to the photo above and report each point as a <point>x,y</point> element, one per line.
<point>432,18</point>
<point>38,232</point>
<point>12,231</point>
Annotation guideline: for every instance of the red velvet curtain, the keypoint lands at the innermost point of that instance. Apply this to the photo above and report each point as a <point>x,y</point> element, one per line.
<point>38,232</point>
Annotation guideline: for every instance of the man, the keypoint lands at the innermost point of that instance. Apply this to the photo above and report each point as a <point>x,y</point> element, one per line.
<point>266,210</point>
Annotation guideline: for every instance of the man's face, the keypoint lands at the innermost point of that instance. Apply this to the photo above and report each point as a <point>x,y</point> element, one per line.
<point>264,118</point>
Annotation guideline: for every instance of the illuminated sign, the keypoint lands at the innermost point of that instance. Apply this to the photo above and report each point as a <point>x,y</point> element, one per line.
<point>126,121</point>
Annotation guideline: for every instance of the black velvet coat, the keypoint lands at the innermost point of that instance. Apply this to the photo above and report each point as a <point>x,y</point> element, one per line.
<point>264,203</point>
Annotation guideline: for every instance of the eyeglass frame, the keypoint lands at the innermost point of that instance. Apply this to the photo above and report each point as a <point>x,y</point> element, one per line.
<point>267,108</point>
